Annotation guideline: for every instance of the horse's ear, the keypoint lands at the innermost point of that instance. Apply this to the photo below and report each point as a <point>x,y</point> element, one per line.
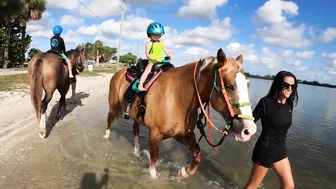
<point>221,57</point>
<point>79,47</point>
<point>240,59</point>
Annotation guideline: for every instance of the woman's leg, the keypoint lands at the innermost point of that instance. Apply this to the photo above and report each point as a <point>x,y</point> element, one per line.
<point>284,172</point>
<point>144,76</point>
<point>257,176</point>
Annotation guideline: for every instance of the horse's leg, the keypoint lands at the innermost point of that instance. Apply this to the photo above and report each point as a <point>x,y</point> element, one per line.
<point>136,130</point>
<point>154,139</point>
<point>73,89</point>
<point>110,117</point>
<point>43,121</point>
<point>62,103</point>
<point>190,142</point>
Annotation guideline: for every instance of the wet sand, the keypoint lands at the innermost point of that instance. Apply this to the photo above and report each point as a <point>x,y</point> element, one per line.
<point>75,154</point>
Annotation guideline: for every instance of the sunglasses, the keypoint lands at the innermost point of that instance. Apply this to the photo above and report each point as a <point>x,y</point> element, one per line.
<point>287,85</point>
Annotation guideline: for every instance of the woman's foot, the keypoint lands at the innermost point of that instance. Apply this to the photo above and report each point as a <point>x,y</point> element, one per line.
<point>71,76</point>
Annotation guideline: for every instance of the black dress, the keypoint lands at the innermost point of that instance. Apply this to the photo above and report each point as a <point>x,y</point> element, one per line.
<point>276,118</point>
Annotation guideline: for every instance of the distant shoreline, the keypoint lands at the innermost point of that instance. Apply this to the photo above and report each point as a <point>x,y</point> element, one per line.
<point>313,83</point>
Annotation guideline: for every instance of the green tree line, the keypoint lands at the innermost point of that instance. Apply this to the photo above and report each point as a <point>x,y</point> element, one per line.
<point>98,50</point>
<point>271,77</point>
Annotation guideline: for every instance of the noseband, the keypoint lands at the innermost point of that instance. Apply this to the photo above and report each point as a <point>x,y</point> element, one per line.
<point>231,106</point>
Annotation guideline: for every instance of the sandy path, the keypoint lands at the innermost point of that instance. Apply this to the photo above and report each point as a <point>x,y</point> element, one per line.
<point>17,117</point>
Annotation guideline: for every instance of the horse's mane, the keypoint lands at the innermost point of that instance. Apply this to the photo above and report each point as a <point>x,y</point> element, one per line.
<point>72,52</point>
<point>211,63</point>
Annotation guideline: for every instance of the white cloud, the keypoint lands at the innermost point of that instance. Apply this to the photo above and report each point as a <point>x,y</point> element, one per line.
<point>42,24</point>
<point>234,49</point>
<point>72,37</point>
<point>329,35</point>
<point>331,68</point>
<point>268,58</point>
<point>286,54</point>
<point>89,30</point>
<point>274,11</point>
<point>71,21</point>
<point>149,2</point>
<point>329,55</point>
<point>285,35</point>
<point>100,7</point>
<point>42,33</point>
<point>201,9</point>
<point>133,27</point>
<point>217,31</point>
<point>58,4</point>
<point>280,32</point>
<point>305,54</point>
<point>196,52</point>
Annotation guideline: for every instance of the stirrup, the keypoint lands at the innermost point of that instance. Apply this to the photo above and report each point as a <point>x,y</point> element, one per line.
<point>126,116</point>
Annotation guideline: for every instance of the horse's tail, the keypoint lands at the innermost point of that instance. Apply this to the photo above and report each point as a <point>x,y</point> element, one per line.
<point>36,86</point>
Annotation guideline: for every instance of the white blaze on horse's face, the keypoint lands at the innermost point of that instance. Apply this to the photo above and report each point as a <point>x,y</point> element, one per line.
<point>249,126</point>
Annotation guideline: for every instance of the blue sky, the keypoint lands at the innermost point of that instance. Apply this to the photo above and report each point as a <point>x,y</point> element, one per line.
<point>274,35</point>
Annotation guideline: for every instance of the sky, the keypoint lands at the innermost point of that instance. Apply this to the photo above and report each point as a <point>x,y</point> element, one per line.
<point>297,36</point>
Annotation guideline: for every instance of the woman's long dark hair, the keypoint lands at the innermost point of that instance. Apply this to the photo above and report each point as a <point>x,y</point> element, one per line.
<point>276,88</point>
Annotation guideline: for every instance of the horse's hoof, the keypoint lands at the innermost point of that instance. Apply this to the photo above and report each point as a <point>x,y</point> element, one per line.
<point>152,173</point>
<point>183,173</point>
<point>136,153</point>
<point>42,133</point>
<point>107,134</point>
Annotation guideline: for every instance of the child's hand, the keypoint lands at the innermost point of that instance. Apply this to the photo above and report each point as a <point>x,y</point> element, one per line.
<point>170,57</point>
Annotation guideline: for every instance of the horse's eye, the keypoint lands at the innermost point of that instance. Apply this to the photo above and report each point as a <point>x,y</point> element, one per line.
<point>230,87</point>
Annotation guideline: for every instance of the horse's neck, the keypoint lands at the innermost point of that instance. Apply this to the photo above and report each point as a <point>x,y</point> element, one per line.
<point>205,83</point>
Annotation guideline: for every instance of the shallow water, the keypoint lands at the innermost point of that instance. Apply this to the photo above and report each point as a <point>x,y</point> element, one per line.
<point>76,155</point>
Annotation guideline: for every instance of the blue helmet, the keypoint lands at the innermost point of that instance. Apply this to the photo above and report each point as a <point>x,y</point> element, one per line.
<point>155,28</point>
<point>57,30</point>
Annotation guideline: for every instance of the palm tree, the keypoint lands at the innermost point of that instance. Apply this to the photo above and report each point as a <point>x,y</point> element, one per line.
<point>9,11</point>
<point>14,11</point>
<point>33,10</point>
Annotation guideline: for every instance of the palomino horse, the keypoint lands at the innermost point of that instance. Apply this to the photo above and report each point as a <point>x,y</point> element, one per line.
<point>48,71</point>
<point>173,102</point>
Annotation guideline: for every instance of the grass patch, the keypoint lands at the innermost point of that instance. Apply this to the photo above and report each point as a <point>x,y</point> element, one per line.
<point>86,73</point>
<point>13,82</point>
<point>96,72</point>
<point>21,81</point>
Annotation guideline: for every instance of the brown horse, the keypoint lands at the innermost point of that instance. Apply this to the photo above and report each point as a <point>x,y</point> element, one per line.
<point>173,100</point>
<point>47,71</point>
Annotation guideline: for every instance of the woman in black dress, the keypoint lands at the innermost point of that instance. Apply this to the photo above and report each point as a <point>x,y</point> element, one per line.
<point>275,111</point>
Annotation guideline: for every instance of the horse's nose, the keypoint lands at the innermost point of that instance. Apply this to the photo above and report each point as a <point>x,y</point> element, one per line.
<point>237,126</point>
<point>246,132</point>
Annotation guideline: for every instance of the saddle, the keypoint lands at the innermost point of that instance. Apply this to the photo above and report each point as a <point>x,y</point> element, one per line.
<point>58,54</point>
<point>133,75</point>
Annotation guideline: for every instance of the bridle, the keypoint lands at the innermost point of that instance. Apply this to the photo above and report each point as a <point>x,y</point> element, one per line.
<point>231,106</point>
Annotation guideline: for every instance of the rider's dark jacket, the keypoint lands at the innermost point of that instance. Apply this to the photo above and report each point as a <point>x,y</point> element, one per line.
<point>57,44</point>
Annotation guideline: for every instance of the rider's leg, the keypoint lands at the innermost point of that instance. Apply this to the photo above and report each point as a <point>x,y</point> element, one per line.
<point>144,76</point>
<point>68,63</point>
<point>69,68</point>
